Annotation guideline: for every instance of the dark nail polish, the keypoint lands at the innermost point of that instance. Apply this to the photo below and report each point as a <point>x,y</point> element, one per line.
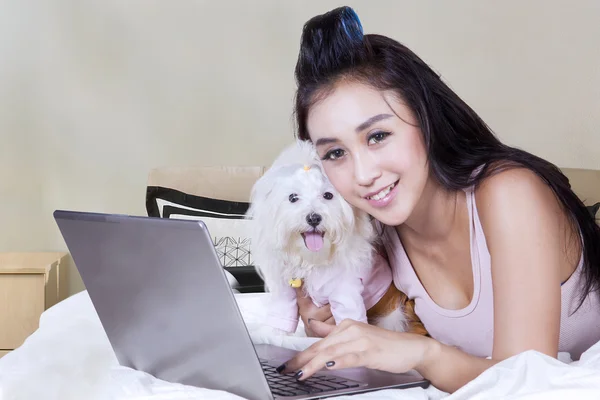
<point>298,374</point>
<point>330,364</point>
<point>280,368</point>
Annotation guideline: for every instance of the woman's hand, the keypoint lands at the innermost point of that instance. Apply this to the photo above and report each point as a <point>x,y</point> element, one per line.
<point>308,311</point>
<point>356,344</point>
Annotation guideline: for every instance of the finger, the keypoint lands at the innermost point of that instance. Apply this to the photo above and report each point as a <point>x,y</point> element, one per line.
<point>301,296</point>
<point>319,313</point>
<point>322,313</point>
<point>303,357</point>
<point>308,331</point>
<point>342,355</point>
<point>321,329</point>
<point>348,360</point>
<point>338,334</point>
<point>311,333</point>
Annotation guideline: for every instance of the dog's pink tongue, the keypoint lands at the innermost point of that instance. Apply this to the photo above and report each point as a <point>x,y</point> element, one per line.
<point>313,241</point>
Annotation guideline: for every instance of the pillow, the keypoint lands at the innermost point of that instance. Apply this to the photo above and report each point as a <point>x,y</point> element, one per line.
<point>225,222</point>
<point>224,219</point>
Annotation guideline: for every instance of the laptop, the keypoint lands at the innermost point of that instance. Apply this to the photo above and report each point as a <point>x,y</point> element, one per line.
<point>167,308</point>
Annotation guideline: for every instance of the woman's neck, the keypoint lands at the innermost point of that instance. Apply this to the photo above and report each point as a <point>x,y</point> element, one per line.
<point>434,216</point>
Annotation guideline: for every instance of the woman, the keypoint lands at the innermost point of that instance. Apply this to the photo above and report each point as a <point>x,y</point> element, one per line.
<point>497,251</point>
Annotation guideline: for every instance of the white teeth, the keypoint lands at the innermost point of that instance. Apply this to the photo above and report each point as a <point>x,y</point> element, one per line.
<point>383,193</point>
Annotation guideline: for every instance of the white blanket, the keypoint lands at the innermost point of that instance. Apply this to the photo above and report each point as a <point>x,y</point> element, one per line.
<point>69,357</point>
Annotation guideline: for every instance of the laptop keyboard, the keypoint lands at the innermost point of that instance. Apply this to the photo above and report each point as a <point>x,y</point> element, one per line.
<point>287,385</point>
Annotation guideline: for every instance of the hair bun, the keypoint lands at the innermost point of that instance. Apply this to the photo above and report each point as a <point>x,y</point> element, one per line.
<point>330,43</point>
<point>350,23</point>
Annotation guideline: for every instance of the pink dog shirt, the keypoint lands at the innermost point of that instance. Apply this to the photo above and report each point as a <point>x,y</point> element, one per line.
<point>472,328</point>
<point>350,295</point>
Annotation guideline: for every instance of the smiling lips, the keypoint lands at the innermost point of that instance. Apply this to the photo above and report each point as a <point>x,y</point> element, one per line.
<point>384,196</point>
<point>382,193</point>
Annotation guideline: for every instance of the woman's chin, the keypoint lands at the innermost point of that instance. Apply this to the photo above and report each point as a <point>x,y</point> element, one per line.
<point>392,216</point>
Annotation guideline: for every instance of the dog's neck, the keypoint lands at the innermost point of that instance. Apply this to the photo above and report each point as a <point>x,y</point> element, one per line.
<point>302,266</point>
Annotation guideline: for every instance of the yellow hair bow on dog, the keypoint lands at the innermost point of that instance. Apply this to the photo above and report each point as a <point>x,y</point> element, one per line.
<point>295,283</point>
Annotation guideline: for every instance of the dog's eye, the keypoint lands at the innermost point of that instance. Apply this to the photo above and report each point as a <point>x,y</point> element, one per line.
<point>328,195</point>
<point>293,198</point>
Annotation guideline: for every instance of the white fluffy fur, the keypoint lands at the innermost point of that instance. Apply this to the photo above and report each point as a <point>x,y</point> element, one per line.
<point>278,248</point>
<point>277,245</point>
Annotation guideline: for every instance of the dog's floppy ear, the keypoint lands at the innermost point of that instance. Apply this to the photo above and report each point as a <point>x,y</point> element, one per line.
<point>301,152</point>
<point>259,194</point>
<point>261,190</point>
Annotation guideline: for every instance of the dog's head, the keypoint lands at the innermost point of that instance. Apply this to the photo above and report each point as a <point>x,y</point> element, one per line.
<point>296,209</point>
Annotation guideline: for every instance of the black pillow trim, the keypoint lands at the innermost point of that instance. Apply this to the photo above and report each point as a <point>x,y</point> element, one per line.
<point>198,202</point>
<point>170,210</point>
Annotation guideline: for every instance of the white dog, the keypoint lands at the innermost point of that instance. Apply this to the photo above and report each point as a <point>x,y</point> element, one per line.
<point>305,234</point>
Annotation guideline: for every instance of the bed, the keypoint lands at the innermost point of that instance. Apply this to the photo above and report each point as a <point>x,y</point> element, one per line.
<point>69,356</point>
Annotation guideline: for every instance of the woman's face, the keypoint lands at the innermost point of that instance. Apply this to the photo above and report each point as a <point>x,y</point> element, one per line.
<point>373,155</point>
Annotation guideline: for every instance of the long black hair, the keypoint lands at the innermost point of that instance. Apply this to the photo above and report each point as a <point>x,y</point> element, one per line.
<point>333,47</point>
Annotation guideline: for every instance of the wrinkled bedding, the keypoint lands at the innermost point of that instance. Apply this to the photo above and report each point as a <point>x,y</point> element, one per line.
<point>69,357</point>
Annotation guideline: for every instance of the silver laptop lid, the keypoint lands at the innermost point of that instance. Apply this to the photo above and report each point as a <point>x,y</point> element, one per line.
<point>164,300</point>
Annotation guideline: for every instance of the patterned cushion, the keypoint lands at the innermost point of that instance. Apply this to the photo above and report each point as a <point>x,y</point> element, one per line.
<point>224,220</point>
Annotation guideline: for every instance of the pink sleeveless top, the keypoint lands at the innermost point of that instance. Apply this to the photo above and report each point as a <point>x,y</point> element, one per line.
<point>471,329</point>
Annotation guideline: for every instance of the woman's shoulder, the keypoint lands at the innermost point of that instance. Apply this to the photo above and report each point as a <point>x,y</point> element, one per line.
<point>503,185</point>
<point>514,191</point>
<point>517,205</point>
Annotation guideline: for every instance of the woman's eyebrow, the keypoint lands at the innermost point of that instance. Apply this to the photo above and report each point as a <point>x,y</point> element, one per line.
<point>361,127</point>
<point>371,121</point>
<point>324,141</point>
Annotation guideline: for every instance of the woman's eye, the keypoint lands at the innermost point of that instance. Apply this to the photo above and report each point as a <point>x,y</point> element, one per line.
<point>293,198</point>
<point>333,154</point>
<point>328,195</point>
<point>378,137</point>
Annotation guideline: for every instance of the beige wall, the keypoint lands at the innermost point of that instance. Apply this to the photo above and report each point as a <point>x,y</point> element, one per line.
<point>94,94</point>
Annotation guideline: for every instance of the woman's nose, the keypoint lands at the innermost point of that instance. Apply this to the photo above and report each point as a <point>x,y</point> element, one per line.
<point>366,170</point>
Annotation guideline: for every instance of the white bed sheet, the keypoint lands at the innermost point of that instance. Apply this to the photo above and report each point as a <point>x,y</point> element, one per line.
<point>69,357</point>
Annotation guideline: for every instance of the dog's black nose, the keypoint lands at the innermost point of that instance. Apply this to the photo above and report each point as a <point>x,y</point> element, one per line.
<point>313,219</point>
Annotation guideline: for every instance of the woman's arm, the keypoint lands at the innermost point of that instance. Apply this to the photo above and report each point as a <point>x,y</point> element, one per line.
<point>526,231</point>
<point>520,218</point>
<point>448,368</point>
<point>353,344</point>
